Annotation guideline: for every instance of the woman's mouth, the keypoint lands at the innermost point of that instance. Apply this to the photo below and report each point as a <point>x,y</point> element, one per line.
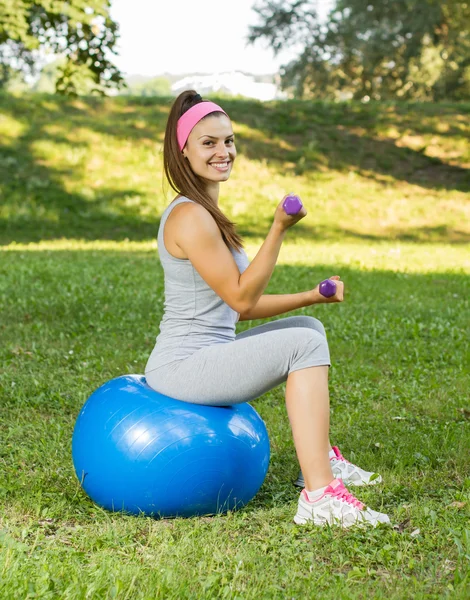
<point>222,167</point>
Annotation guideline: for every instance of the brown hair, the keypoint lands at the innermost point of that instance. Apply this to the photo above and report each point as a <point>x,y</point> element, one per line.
<point>183,179</point>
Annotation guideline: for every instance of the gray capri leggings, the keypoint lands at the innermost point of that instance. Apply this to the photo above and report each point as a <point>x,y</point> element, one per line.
<point>258,360</point>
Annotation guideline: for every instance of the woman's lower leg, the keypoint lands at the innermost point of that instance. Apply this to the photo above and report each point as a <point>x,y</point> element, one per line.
<point>308,407</point>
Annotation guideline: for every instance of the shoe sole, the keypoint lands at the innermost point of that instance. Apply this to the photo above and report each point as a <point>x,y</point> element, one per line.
<point>302,521</point>
<point>300,483</point>
<point>322,523</point>
<point>363,523</point>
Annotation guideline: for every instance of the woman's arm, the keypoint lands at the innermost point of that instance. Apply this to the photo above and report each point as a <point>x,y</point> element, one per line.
<point>271,305</point>
<point>199,237</point>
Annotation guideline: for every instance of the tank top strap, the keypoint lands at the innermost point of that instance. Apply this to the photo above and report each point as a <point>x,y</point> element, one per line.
<point>162,251</point>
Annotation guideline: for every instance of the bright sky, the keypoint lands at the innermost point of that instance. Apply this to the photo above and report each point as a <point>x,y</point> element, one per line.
<point>180,36</point>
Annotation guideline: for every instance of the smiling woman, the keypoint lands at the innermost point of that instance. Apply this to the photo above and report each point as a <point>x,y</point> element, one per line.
<point>210,285</point>
<point>199,151</point>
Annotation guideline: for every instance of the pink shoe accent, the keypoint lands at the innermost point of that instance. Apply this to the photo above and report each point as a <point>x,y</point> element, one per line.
<point>338,455</point>
<point>337,490</point>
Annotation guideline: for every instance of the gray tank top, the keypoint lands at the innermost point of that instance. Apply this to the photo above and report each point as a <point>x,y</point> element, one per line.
<point>194,315</point>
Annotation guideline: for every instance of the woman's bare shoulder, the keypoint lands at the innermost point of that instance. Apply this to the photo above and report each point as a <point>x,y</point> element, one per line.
<point>192,214</point>
<point>187,220</point>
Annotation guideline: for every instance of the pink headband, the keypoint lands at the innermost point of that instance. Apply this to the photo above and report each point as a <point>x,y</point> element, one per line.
<point>191,117</point>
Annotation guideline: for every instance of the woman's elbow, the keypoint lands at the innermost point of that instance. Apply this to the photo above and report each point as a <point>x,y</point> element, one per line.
<point>242,307</point>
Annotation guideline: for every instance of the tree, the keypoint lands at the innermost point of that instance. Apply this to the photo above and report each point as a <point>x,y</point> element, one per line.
<point>372,48</point>
<point>80,30</point>
<point>46,82</point>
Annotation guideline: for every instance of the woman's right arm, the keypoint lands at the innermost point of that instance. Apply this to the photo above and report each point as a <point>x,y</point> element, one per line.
<point>200,239</point>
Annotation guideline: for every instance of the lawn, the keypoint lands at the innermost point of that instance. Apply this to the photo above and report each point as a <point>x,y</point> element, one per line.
<point>81,295</point>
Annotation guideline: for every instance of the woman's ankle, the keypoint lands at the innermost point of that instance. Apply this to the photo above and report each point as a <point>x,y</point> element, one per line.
<point>317,480</point>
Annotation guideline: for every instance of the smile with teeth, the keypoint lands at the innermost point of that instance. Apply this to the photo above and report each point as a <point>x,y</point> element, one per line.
<point>221,166</point>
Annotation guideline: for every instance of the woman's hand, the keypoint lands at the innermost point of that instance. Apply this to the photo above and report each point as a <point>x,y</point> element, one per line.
<point>338,296</point>
<point>283,220</point>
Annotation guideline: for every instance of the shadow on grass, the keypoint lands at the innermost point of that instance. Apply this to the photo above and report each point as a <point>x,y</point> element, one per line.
<point>40,205</point>
<point>322,135</point>
<point>300,137</point>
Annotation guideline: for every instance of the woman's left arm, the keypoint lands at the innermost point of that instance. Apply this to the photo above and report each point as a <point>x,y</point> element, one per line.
<point>271,305</point>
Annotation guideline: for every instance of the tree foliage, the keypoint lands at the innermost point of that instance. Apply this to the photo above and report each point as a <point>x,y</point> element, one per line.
<point>378,49</point>
<point>80,30</point>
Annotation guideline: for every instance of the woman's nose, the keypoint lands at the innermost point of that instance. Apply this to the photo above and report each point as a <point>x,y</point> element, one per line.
<point>222,150</point>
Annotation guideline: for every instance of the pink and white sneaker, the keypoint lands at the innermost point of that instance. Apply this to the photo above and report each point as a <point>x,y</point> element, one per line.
<point>349,473</point>
<point>336,506</point>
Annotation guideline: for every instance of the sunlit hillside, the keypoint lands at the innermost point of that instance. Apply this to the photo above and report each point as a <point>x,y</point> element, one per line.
<point>92,168</point>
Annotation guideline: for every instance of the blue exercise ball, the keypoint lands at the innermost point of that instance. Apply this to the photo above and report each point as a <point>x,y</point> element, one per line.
<point>138,451</point>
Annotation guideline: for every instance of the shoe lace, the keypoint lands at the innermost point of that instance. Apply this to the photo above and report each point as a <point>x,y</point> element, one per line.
<point>338,455</point>
<point>342,493</point>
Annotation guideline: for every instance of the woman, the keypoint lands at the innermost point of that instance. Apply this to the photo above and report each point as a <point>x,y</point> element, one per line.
<point>210,285</point>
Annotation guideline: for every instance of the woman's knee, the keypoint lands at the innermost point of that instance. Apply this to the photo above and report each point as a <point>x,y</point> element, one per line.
<point>313,323</point>
<point>312,339</point>
<point>311,348</point>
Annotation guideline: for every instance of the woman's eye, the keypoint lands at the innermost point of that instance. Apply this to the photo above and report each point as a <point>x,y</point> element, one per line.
<point>211,143</point>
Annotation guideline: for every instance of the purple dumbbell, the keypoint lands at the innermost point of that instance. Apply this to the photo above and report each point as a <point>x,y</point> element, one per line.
<point>327,288</point>
<point>292,204</point>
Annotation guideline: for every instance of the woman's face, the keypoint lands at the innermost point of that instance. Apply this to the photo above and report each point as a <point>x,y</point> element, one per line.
<point>210,149</point>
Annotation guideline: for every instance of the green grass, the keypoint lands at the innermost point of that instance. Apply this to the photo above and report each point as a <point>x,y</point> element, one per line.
<point>93,170</point>
<point>386,187</point>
